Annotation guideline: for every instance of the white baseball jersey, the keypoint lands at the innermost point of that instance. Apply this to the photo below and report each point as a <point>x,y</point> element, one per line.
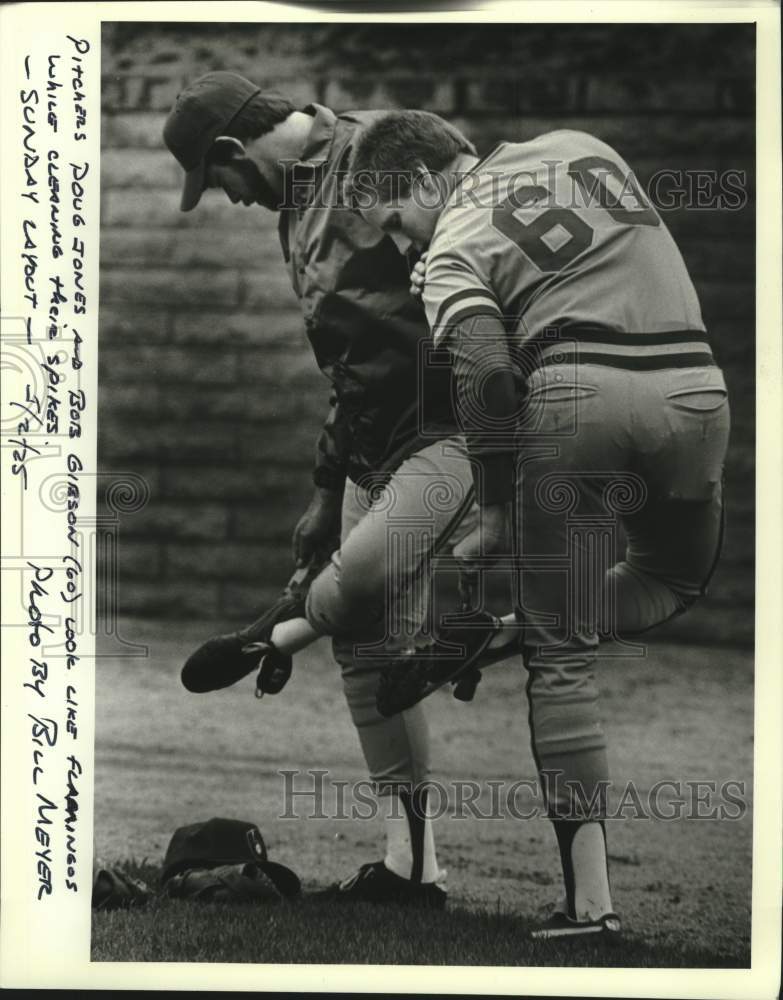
<point>557,232</point>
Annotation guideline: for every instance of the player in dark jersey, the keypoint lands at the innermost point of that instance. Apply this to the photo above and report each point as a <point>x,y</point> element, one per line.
<point>590,395</point>
<point>378,458</point>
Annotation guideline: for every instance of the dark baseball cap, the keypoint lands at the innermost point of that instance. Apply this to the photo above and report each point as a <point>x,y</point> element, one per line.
<point>225,842</point>
<point>202,112</point>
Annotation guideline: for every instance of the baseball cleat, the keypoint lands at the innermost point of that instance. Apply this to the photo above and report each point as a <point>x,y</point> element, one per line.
<point>225,659</point>
<point>374,883</point>
<point>560,925</point>
<point>274,671</point>
<point>414,676</point>
<point>220,662</point>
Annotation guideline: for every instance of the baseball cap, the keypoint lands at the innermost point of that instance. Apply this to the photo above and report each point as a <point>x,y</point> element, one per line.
<point>224,842</point>
<point>202,112</point>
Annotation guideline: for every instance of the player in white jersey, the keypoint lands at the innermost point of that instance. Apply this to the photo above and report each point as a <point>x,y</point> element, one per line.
<point>589,395</point>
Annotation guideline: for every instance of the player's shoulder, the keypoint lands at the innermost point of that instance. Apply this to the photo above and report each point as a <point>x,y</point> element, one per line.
<point>461,215</point>
<point>348,125</point>
<point>360,119</point>
<point>568,141</point>
<point>458,238</point>
<point>575,134</point>
<point>441,243</point>
<point>540,152</point>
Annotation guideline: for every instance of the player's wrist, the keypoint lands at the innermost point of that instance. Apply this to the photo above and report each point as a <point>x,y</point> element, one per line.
<point>327,496</point>
<point>328,480</point>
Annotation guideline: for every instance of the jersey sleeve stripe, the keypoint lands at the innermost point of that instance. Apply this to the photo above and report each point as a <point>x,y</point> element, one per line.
<point>460,315</point>
<point>480,294</point>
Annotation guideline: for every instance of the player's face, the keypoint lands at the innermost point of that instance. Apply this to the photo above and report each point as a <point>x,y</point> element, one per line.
<point>409,221</point>
<point>233,181</point>
<point>246,181</point>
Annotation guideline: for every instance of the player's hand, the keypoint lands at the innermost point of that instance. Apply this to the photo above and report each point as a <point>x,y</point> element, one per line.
<point>417,276</point>
<point>489,538</point>
<point>317,532</point>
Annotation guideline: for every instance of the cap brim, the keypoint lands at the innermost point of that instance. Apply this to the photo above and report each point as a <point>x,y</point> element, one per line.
<point>286,882</point>
<point>195,183</point>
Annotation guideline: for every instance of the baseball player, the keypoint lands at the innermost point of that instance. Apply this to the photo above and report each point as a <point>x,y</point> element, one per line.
<point>589,393</point>
<point>385,444</point>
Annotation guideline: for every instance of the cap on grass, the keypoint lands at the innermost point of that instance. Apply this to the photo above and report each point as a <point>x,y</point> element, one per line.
<point>225,842</point>
<point>202,112</point>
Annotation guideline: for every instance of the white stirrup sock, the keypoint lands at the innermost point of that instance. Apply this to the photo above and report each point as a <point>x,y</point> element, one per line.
<point>408,850</point>
<point>592,897</point>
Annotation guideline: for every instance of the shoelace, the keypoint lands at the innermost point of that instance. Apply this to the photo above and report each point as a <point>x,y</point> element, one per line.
<point>352,880</point>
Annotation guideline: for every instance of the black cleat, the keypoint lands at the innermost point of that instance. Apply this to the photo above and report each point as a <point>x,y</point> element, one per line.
<point>412,677</point>
<point>225,659</point>
<point>220,662</point>
<point>374,883</point>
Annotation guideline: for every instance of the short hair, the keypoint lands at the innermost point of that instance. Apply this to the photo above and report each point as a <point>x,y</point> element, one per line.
<point>259,116</point>
<point>388,153</point>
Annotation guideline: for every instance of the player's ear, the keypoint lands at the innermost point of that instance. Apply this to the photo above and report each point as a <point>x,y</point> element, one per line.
<point>429,185</point>
<point>225,149</point>
<point>422,176</point>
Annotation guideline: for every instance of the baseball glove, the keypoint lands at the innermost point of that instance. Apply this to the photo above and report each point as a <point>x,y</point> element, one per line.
<point>114,890</point>
<point>243,883</point>
<point>408,679</point>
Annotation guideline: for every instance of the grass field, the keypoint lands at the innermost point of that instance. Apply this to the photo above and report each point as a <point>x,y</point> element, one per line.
<point>176,931</point>
<point>165,758</point>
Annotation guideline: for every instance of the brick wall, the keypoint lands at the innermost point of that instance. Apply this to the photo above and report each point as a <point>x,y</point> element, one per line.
<point>208,388</point>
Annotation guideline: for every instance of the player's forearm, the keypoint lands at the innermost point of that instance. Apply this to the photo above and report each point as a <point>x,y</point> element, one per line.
<point>487,405</point>
<point>329,479</point>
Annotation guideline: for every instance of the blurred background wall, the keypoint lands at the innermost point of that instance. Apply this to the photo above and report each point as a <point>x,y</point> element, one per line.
<point>208,387</point>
